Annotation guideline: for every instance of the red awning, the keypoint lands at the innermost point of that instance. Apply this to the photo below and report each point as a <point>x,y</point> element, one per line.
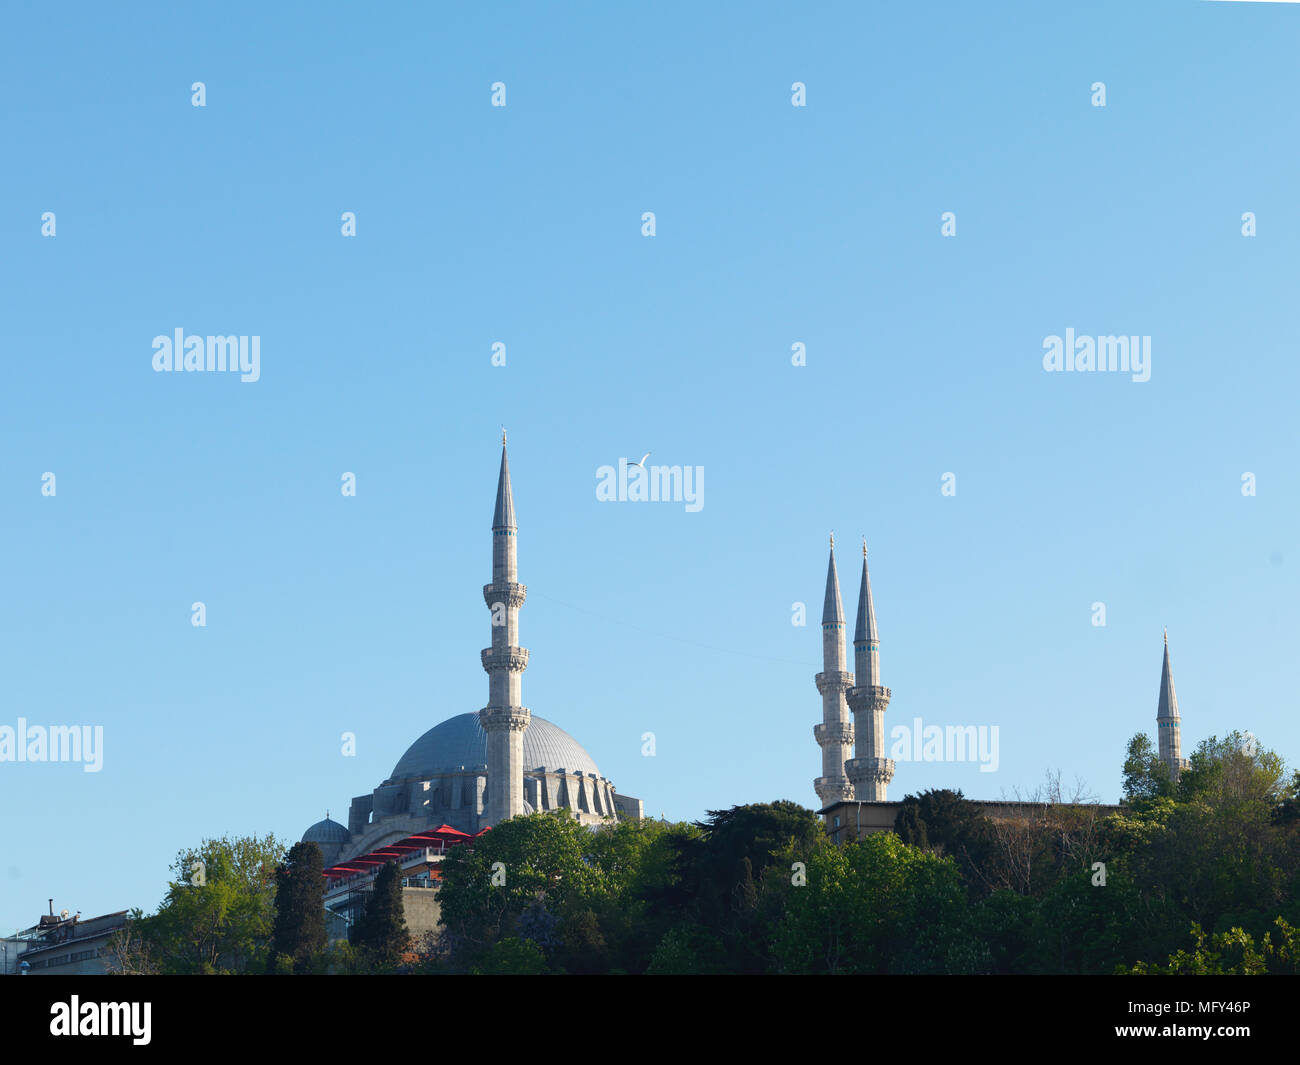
<point>443,835</point>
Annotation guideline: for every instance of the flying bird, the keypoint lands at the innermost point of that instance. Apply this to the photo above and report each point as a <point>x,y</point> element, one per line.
<point>641,463</point>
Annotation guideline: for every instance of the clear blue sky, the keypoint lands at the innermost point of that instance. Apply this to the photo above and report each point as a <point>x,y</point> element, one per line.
<point>775,225</point>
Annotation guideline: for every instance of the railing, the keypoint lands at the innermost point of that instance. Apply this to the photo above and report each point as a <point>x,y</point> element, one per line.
<point>356,880</point>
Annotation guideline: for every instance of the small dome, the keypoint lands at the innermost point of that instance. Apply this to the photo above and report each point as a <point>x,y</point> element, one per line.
<point>326,831</point>
<point>461,741</point>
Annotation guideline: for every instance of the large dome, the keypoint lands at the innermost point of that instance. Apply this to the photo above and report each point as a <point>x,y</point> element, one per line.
<point>461,741</point>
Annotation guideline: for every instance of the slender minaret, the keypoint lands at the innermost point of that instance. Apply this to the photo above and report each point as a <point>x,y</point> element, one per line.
<point>504,718</point>
<point>835,733</point>
<point>870,772</point>
<point>1168,724</point>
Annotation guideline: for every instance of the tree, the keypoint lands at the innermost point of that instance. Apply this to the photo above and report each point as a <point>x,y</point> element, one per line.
<point>685,951</point>
<point>1233,952</point>
<point>947,823</point>
<point>1231,772</point>
<point>298,932</point>
<point>380,933</point>
<point>1287,811</point>
<point>217,914</point>
<point>1146,777</point>
<point>583,950</point>
<point>128,951</point>
<point>877,906</point>
<point>487,886</point>
<point>719,874</point>
<point>1215,855</point>
<point>512,957</point>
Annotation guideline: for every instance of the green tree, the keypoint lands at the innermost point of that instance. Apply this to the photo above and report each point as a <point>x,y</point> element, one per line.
<point>217,914</point>
<point>1233,772</point>
<point>1146,777</point>
<point>638,860</point>
<point>512,957</point>
<point>719,876</point>
<point>947,823</point>
<point>1287,811</point>
<point>380,934</point>
<point>583,950</point>
<point>1233,952</point>
<point>1215,854</point>
<point>685,951</point>
<point>877,906</point>
<point>543,858</point>
<point>298,932</point>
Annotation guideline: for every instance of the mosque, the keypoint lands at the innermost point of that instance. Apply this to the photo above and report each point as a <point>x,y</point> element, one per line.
<point>477,769</point>
<point>855,773</point>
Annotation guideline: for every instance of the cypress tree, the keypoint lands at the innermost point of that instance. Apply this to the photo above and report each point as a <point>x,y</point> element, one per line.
<point>298,932</point>
<point>380,932</point>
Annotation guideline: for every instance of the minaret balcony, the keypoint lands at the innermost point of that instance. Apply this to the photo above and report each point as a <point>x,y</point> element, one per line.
<point>504,718</point>
<point>839,733</point>
<point>867,771</point>
<point>507,660</point>
<point>833,789</point>
<point>511,593</point>
<point>834,680</point>
<point>869,699</point>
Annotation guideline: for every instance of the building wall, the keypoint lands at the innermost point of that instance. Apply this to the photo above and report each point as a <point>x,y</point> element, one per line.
<point>848,821</point>
<point>422,910</point>
<point>456,798</point>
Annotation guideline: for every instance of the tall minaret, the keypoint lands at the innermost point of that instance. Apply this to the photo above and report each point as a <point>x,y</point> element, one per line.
<point>504,718</point>
<point>870,772</point>
<point>1168,724</point>
<point>835,733</point>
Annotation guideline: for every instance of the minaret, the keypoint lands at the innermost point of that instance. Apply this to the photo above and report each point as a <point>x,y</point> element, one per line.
<point>835,733</point>
<point>870,772</point>
<point>1168,724</point>
<point>504,718</point>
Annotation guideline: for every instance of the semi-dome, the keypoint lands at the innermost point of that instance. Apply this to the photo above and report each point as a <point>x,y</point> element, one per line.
<point>461,741</point>
<point>326,831</point>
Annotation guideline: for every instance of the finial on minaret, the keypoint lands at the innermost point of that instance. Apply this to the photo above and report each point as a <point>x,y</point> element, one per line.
<point>1166,636</point>
<point>864,547</point>
<point>832,538</point>
<point>503,436</point>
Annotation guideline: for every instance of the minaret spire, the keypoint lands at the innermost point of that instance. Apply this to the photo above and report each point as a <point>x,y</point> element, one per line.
<point>1168,723</point>
<point>833,607</point>
<point>504,515</point>
<point>835,733</point>
<point>505,717</point>
<point>870,772</point>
